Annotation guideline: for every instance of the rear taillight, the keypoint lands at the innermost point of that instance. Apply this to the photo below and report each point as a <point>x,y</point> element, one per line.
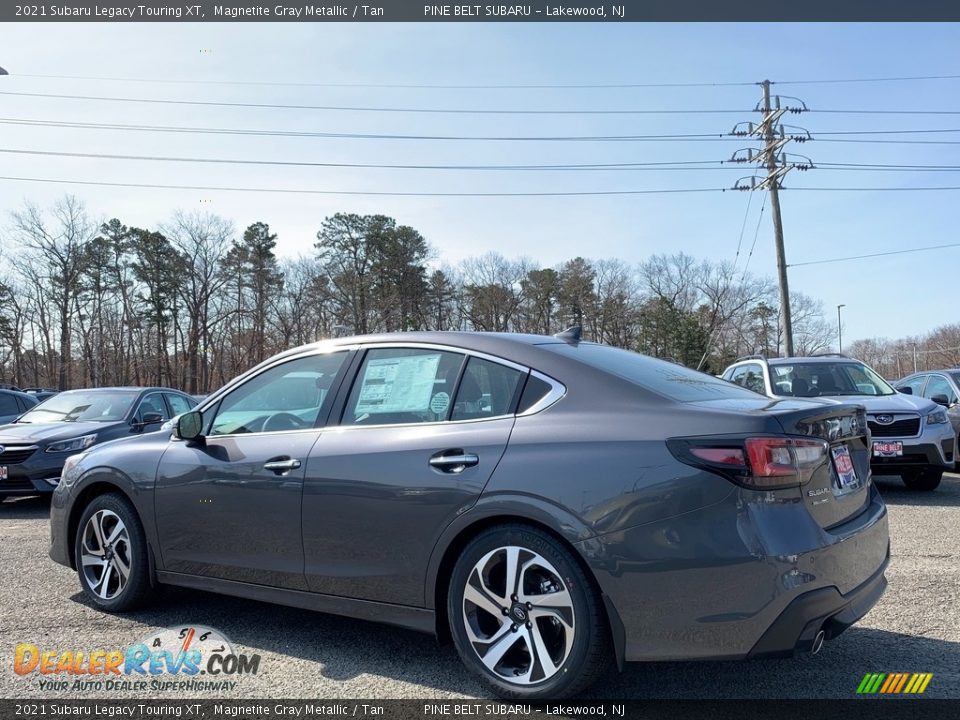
<point>760,463</point>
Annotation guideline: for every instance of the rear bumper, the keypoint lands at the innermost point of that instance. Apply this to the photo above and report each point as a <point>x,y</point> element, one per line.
<point>825,609</point>
<point>746,577</point>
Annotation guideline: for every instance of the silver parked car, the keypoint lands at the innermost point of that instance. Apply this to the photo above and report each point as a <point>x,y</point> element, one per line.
<point>912,436</point>
<point>940,386</point>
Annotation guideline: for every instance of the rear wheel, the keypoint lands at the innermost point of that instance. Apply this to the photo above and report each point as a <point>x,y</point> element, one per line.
<point>525,617</point>
<point>922,479</point>
<point>111,554</point>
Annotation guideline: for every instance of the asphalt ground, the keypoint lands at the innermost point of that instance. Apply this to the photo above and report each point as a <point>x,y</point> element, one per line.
<point>914,628</point>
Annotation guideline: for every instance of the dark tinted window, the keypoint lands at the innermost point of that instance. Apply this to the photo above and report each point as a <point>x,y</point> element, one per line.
<point>487,389</point>
<point>662,377</point>
<point>403,385</point>
<point>534,391</point>
<point>8,405</point>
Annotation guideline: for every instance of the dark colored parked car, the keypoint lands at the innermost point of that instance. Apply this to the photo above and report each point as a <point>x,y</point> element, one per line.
<point>13,404</point>
<point>40,393</point>
<point>551,505</point>
<point>34,448</point>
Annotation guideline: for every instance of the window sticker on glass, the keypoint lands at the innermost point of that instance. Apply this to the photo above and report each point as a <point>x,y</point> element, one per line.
<point>398,384</point>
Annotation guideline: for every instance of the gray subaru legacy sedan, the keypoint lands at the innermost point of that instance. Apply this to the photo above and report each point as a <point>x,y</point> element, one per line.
<point>553,507</point>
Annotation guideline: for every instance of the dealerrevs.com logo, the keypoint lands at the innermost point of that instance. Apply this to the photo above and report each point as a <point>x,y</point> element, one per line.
<point>191,658</point>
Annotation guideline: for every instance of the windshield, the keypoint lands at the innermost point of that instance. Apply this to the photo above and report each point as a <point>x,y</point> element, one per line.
<point>664,378</point>
<point>827,379</point>
<point>82,406</point>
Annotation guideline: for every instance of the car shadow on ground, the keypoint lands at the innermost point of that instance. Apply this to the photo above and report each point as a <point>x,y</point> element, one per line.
<point>26,507</point>
<point>347,648</point>
<point>894,492</point>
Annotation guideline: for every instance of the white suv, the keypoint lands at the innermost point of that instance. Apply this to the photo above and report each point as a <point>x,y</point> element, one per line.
<point>912,436</point>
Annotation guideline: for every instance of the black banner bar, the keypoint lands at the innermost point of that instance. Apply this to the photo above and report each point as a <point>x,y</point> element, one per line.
<point>419,11</point>
<point>204,709</point>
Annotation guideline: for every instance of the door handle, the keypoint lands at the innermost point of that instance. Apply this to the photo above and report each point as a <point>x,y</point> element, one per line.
<point>455,462</point>
<point>281,466</point>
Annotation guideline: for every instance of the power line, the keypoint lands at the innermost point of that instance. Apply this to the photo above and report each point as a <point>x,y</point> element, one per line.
<point>756,234</point>
<point>676,165</point>
<point>873,255</point>
<point>485,86</point>
<point>301,191</point>
<point>820,136</point>
<point>834,81</point>
<point>364,136</point>
<point>850,111</point>
<point>873,189</point>
<point>362,108</point>
<point>404,86</point>
<point>743,228</point>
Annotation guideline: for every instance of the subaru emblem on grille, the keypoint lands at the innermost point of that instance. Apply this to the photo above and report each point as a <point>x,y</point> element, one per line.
<point>884,419</point>
<point>2,449</point>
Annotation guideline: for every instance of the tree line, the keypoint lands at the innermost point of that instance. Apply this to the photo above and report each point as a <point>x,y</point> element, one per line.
<point>193,302</point>
<point>938,349</point>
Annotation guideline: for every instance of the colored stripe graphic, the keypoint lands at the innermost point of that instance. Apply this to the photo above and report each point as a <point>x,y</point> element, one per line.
<point>894,683</point>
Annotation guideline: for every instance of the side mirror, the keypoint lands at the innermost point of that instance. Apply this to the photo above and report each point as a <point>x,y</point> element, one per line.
<point>906,390</point>
<point>190,426</point>
<point>151,418</point>
<point>941,400</point>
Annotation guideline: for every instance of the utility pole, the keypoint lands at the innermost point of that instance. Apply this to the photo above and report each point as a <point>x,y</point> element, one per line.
<point>776,163</point>
<point>839,330</point>
<point>770,151</point>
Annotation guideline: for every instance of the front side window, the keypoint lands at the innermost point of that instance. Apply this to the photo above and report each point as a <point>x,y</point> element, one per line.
<point>83,406</point>
<point>915,384</point>
<point>8,405</point>
<point>153,405</point>
<point>750,377</point>
<point>179,404</point>
<point>285,397</point>
<point>403,385</point>
<point>487,389</point>
<point>938,385</point>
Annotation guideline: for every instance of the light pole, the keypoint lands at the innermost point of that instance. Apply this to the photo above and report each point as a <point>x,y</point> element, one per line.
<point>839,330</point>
<point>914,356</point>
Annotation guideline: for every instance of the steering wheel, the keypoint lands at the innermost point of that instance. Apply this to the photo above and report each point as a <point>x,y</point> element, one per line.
<point>283,421</point>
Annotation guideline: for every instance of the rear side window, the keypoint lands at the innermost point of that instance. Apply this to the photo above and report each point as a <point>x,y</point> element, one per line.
<point>8,405</point>
<point>487,389</point>
<point>533,392</point>
<point>664,378</point>
<point>403,385</point>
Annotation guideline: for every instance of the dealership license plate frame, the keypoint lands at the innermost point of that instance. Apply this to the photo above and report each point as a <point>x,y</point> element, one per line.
<point>887,448</point>
<point>843,464</point>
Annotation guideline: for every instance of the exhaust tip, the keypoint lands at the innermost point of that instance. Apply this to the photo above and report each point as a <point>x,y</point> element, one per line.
<point>818,642</point>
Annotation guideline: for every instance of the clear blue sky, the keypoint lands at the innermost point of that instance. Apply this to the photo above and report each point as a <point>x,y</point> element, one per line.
<point>890,296</point>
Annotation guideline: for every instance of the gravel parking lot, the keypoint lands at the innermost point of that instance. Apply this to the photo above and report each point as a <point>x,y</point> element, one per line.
<point>914,628</point>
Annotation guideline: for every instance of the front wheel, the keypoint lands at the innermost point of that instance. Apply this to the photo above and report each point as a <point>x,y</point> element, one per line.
<point>111,554</point>
<point>525,617</point>
<point>922,479</point>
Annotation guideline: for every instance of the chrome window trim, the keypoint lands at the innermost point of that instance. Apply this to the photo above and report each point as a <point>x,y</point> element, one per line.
<point>557,391</point>
<point>557,388</point>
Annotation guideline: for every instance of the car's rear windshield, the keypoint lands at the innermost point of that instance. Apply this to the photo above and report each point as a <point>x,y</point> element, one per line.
<point>664,378</point>
<point>82,406</point>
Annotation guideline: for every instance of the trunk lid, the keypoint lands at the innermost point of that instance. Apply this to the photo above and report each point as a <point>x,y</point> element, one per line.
<point>839,488</point>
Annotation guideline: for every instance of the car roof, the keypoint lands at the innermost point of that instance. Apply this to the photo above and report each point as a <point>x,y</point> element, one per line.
<point>17,393</point>
<point>493,343</point>
<point>812,359</point>
<point>125,389</point>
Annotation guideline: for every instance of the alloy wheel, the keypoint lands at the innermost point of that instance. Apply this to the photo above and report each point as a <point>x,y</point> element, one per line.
<point>518,615</point>
<point>105,554</point>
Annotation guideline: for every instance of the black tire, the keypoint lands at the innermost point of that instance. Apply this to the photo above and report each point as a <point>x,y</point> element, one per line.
<point>136,587</point>
<point>925,480</point>
<point>577,662</point>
